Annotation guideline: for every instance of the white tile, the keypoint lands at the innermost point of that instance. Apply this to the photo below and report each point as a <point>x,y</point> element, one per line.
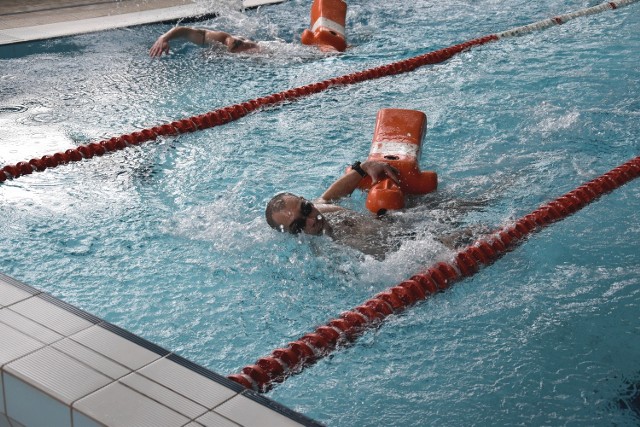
<point>57,374</point>
<point>9,294</point>
<point>119,406</point>
<point>28,326</point>
<point>211,419</point>
<point>15,344</point>
<point>249,413</point>
<point>50,315</point>
<point>163,395</point>
<point>89,357</point>
<point>187,383</point>
<point>115,347</point>
<point>31,407</point>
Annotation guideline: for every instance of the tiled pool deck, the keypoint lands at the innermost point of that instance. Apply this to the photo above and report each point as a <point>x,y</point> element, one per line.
<point>61,366</point>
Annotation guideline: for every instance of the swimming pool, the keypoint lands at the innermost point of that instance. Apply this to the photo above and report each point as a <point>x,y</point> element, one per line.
<point>168,241</point>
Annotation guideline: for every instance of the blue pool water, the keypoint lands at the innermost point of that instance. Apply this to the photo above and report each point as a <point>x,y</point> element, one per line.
<point>168,239</point>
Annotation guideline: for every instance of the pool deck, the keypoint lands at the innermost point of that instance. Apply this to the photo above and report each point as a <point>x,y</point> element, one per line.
<point>29,20</point>
<point>61,366</point>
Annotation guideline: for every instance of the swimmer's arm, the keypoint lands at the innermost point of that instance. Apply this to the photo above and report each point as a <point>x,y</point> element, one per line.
<point>343,187</point>
<point>348,182</point>
<point>233,44</point>
<point>194,35</point>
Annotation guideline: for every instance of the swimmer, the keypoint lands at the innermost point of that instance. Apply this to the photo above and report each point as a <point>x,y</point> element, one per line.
<point>202,37</point>
<point>371,235</point>
<point>293,214</point>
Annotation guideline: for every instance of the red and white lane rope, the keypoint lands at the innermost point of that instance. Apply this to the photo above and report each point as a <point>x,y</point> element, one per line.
<point>313,346</point>
<point>561,19</point>
<point>234,112</point>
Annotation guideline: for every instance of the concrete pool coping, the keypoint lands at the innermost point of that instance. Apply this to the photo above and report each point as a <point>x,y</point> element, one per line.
<point>79,370</point>
<point>29,20</point>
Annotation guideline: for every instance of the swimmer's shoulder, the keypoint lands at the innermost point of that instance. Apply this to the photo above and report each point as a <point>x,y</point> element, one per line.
<point>325,206</point>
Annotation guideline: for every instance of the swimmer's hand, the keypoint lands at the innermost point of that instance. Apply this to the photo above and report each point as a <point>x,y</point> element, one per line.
<point>376,170</point>
<point>159,47</point>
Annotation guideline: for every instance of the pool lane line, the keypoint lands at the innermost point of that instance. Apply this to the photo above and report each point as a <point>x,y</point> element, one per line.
<point>234,112</point>
<point>292,359</point>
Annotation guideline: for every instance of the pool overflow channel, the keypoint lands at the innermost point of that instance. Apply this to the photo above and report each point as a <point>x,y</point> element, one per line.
<point>308,349</point>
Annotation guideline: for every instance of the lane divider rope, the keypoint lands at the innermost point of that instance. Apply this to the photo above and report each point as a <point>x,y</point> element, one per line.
<point>292,359</point>
<point>234,112</point>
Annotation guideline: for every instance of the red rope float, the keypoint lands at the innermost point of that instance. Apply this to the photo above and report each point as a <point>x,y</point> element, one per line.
<point>234,112</point>
<point>303,352</point>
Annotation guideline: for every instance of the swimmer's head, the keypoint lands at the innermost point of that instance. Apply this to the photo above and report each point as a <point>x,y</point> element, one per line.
<point>293,214</point>
<point>240,44</point>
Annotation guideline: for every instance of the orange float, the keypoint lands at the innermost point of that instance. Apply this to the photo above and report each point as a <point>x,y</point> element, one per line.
<point>397,140</point>
<point>327,26</point>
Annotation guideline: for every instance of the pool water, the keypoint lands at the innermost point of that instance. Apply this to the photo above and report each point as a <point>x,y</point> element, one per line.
<point>168,239</point>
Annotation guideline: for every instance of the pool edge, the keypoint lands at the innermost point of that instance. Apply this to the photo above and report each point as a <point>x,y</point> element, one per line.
<point>35,325</point>
<point>73,26</point>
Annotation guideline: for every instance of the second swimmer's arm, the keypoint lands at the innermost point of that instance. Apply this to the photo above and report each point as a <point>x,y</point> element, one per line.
<point>194,35</point>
